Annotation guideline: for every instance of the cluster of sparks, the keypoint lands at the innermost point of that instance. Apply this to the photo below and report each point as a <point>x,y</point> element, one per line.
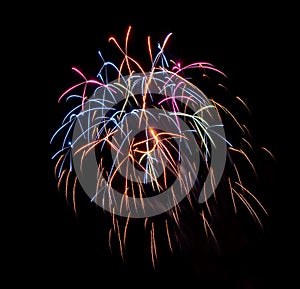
<point>155,153</point>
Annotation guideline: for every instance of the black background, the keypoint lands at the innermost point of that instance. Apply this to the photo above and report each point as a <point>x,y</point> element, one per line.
<point>247,42</point>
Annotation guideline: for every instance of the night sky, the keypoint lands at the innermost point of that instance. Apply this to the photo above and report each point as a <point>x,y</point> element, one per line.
<point>242,42</point>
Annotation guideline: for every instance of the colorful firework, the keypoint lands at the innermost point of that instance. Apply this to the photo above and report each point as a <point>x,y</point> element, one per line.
<point>150,145</point>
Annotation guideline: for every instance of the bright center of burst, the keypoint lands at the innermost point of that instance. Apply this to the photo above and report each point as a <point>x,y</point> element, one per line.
<point>154,153</point>
<point>142,149</point>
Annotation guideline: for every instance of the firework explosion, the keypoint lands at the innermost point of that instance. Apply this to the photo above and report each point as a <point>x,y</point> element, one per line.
<point>151,146</point>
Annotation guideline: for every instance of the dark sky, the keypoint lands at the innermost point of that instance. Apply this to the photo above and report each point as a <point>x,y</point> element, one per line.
<point>243,42</point>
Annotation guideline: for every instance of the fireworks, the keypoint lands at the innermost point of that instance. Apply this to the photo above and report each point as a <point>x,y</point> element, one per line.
<point>150,145</point>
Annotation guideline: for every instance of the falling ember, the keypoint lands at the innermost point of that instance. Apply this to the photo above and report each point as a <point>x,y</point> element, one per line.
<point>154,147</point>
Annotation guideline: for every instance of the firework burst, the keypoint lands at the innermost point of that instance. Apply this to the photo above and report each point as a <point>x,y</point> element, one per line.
<point>150,146</point>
